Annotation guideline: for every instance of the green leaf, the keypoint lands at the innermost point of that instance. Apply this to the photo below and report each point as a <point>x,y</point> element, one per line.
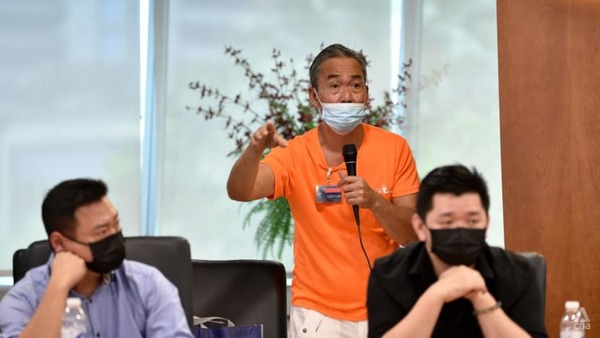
<point>275,229</point>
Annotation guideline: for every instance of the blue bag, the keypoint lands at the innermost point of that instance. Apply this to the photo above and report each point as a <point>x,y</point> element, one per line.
<point>224,328</point>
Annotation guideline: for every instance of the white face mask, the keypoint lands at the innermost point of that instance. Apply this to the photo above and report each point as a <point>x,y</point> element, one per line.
<point>342,117</point>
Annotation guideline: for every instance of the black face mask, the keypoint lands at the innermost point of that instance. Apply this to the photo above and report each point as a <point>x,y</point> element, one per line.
<point>107,253</point>
<point>458,246</point>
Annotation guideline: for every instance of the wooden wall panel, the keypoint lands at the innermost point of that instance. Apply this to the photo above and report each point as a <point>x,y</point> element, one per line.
<point>549,72</point>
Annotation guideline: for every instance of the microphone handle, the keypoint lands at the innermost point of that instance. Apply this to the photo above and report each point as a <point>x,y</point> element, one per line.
<point>351,168</point>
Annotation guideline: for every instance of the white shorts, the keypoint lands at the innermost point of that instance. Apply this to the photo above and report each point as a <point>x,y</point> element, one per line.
<point>309,323</point>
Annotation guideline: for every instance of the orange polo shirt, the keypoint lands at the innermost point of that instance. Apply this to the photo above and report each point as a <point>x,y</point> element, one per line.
<point>331,272</point>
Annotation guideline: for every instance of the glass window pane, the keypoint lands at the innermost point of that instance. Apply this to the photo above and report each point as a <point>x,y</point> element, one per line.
<point>458,102</point>
<point>69,94</point>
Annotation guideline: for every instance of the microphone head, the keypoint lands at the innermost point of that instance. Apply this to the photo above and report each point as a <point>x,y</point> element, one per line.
<point>349,152</point>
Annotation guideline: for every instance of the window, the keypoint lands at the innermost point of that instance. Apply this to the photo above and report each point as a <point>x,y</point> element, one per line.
<point>69,94</point>
<point>455,107</point>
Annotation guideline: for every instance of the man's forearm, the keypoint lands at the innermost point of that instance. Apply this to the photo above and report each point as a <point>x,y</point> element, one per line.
<point>495,323</point>
<point>47,319</point>
<point>396,220</point>
<point>241,180</point>
<point>421,319</point>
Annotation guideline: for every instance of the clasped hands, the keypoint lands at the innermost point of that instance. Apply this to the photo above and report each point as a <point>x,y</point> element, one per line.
<point>460,281</point>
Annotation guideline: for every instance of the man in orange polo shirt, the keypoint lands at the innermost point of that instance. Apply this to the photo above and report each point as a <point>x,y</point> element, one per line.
<point>332,258</point>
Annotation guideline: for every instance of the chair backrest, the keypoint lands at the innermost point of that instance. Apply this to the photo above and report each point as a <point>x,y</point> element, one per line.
<point>36,254</point>
<point>244,291</point>
<point>538,263</point>
<point>170,255</point>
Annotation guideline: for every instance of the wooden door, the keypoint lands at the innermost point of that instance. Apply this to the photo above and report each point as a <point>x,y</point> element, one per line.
<point>549,71</point>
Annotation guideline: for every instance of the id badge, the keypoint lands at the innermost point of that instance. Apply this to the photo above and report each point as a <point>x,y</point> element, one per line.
<point>328,194</point>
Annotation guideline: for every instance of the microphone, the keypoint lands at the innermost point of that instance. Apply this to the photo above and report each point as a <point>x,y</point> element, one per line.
<point>349,152</point>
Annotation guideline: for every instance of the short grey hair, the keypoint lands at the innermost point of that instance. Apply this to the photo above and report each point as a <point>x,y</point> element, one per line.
<point>335,50</point>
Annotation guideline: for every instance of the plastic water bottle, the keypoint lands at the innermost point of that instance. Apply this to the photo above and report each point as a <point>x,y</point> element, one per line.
<point>74,324</point>
<point>570,323</point>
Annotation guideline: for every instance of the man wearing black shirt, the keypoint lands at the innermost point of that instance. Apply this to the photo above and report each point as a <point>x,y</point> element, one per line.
<point>451,283</point>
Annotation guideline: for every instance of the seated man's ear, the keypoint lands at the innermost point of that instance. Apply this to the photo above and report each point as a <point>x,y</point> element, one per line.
<point>57,242</point>
<point>419,227</point>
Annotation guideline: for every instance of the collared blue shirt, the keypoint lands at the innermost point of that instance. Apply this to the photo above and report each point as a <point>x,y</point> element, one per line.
<point>135,300</point>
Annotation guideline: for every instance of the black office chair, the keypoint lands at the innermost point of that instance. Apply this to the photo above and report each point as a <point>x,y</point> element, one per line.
<point>538,263</point>
<point>170,255</point>
<point>246,292</point>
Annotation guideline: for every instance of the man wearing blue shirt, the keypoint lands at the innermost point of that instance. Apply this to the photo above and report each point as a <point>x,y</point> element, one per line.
<point>121,298</point>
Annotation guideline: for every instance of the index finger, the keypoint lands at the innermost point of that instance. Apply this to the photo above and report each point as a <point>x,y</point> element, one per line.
<point>270,126</point>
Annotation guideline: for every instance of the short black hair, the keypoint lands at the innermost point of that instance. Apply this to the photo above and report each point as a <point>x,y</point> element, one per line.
<point>61,202</point>
<point>332,51</point>
<point>454,179</point>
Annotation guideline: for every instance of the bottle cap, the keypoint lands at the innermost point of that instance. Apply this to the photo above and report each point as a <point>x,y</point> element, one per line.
<point>572,305</point>
<point>74,301</point>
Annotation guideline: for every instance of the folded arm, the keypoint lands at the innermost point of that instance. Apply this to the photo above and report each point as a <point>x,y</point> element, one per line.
<point>456,282</point>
